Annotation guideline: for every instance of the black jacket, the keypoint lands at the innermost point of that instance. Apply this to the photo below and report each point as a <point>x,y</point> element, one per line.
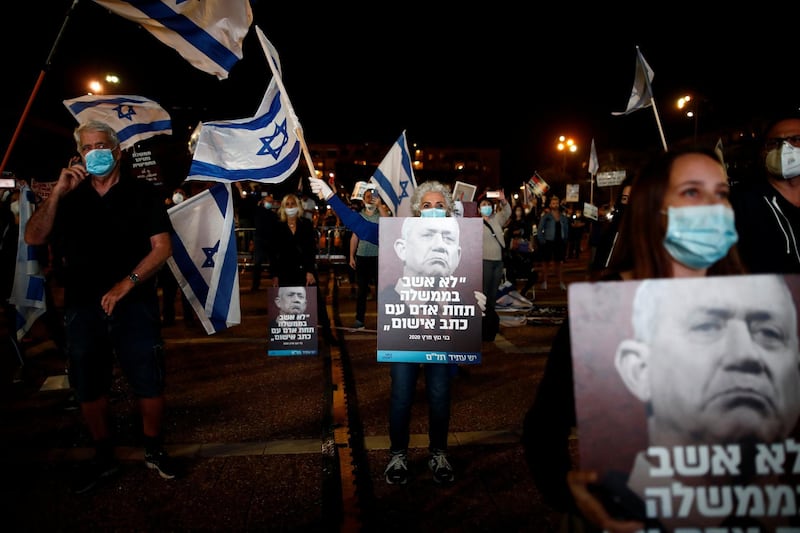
<point>768,227</point>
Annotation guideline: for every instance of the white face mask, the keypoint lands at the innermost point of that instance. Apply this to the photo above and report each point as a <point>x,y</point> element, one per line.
<point>290,211</point>
<point>784,161</point>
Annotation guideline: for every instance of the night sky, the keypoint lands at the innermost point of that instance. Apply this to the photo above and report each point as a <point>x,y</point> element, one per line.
<point>493,76</point>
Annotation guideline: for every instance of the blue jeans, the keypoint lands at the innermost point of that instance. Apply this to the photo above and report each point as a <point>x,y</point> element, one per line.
<point>437,390</point>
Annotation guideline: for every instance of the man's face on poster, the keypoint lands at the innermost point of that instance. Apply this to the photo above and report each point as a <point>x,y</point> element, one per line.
<point>429,246</point>
<point>723,367</point>
<point>291,300</point>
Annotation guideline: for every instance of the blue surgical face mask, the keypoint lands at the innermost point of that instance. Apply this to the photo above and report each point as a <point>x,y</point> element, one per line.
<point>699,236</point>
<point>434,212</point>
<point>100,162</point>
<point>486,210</point>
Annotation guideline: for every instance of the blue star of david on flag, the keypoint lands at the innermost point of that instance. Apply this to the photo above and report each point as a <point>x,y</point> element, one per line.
<point>281,134</point>
<point>210,253</point>
<point>125,114</point>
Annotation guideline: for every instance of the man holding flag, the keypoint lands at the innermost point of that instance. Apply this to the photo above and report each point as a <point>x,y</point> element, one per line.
<point>111,234</point>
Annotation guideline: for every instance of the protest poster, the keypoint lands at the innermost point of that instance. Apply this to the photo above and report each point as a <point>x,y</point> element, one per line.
<point>430,269</point>
<point>687,399</point>
<point>292,315</point>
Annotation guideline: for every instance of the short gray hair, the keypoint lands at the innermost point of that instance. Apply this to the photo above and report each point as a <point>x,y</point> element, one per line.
<point>431,186</point>
<point>95,125</point>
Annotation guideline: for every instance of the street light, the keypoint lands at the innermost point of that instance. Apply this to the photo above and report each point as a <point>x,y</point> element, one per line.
<point>97,87</point>
<point>694,112</point>
<point>566,145</point>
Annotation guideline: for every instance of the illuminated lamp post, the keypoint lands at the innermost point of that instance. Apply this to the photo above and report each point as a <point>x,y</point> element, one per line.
<point>566,145</point>
<point>692,112</point>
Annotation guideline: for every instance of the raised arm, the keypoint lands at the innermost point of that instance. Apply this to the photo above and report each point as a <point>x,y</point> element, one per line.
<point>363,228</point>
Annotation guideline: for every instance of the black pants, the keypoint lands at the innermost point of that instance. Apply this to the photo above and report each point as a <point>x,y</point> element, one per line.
<point>366,273</point>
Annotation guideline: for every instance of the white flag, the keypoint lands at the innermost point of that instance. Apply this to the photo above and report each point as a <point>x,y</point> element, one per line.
<point>394,178</point>
<point>263,148</point>
<point>720,152</point>
<point>208,34</point>
<point>594,165</point>
<point>642,94</point>
<point>27,294</point>
<point>135,118</point>
<point>204,257</point>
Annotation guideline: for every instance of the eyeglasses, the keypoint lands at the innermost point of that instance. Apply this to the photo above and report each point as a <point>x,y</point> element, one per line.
<point>776,142</point>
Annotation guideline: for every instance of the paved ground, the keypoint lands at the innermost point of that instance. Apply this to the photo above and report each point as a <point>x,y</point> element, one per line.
<point>279,443</point>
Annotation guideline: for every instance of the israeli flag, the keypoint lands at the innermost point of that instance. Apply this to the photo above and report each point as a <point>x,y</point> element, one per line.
<point>204,257</point>
<point>208,34</point>
<point>394,178</point>
<point>135,118</point>
<point>27,293</point>
<point>263,148</point>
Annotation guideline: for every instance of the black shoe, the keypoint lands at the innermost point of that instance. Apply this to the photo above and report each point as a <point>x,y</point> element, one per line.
<point>161,462</point>
<point>93,472</point>
<point>441,468</point>
<point>396,472</point>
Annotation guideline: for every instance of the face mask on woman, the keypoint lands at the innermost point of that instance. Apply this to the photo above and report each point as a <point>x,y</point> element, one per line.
<point>700,235</point>
<point>435,212</point>
<point>290,211</point>
<point>486,210</point>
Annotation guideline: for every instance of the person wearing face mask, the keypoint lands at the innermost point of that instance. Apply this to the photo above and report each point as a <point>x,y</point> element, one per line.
<point>110,232</point>
<point>293,258</point>
<point>768,209</point>
<point>364,258</point>
<point>429,199</point>
<point>678,223</point>
<point>493,263</point>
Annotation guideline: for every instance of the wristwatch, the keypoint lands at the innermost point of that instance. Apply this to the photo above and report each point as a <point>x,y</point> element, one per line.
<point>134,277</point>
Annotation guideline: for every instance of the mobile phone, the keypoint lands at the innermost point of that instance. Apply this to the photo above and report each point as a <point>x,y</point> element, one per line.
<point>8,183</point>
<point>492,194</point>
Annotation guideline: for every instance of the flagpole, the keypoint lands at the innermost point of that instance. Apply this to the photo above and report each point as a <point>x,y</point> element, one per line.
<point>653,101</point>
<point>36,87</point>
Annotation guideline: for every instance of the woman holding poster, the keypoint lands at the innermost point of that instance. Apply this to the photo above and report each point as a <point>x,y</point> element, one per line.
<point>679,224</point>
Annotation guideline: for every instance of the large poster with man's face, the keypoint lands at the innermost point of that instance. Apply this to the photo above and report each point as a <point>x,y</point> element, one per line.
<point>292,313</point>
<point>687,399</point>
<point>429,272</point>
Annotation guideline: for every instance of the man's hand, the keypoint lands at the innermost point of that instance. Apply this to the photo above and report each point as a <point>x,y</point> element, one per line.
<point>320,188</point>
<point>70,177</point>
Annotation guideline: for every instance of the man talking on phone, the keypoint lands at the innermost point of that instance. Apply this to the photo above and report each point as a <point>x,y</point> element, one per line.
<point>110,232</point>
